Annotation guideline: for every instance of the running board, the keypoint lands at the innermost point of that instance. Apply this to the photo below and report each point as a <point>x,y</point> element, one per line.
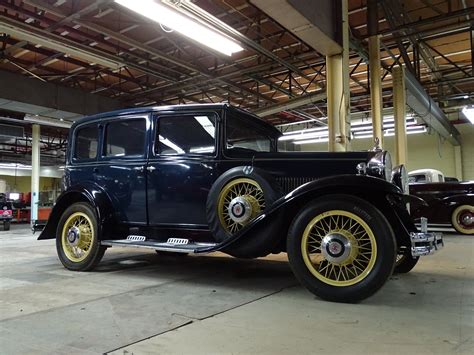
<point>172,246</point>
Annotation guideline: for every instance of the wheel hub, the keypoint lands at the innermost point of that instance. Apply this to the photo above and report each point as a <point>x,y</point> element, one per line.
<point>73,236</point>
<point>336,248</point>
<point>467,220</point>
<point>240,209</point>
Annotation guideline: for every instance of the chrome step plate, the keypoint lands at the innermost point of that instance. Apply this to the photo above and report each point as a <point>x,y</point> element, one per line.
<point>177,241</point>
<point>136,238</point>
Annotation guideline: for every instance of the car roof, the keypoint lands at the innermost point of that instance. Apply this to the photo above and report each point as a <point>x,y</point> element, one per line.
<point>423,171</point>
<point>175,108</point>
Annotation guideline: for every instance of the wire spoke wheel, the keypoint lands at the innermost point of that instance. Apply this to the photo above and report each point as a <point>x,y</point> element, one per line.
<point>77,236</point>
<point>239,202</point>
<point>339,248</point>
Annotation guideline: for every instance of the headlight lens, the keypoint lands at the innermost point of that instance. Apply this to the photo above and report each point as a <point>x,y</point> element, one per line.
<point>381,165</point>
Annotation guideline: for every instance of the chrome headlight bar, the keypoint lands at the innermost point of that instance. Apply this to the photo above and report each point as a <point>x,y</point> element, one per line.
<point>400,178</point>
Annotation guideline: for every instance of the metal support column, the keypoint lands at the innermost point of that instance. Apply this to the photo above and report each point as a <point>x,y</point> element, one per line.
<point>35,171</point>
<point>375,73</point>
<point>399,109</point>
<point>346,117</point>
<point>335,102</point>
<point>458,162</point>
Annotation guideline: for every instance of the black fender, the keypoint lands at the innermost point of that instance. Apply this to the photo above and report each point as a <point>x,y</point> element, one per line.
<point>460,199</point>
<point>87,192</point>
<point>387,197</point>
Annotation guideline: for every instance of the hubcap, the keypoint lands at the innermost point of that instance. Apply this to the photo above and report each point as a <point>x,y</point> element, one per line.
<point>336,248</point>
<point>240,209</point>
<point>467,219</point>
<point>73,236</point>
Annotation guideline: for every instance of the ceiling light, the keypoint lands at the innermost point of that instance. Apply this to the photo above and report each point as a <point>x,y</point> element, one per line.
<point>183,24</point>
<point>469,113</point>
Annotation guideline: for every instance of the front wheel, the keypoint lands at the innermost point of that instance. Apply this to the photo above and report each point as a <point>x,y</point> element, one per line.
<point>77,240</point>
<point>341,248</point>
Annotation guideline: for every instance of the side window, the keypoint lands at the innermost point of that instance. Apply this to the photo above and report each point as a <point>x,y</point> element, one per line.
<point>125,138</point>
<point>241,133</point>
<point>86,142</point>
<point>186,134</point>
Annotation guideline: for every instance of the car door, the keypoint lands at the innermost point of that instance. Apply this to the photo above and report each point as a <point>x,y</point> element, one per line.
<point>121,172</point>
<point>181,168</point>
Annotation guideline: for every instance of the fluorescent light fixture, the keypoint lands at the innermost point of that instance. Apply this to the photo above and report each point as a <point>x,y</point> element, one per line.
<point>309,141</point>
<point>304,136</point>
<point>209,149</point>
<point>44,121</point>
<point>185,25</point>
<point>15,166</point>
<point>469,113</point>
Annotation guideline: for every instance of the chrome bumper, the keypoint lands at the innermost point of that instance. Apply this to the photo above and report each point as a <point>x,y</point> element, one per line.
<point>425,243</point>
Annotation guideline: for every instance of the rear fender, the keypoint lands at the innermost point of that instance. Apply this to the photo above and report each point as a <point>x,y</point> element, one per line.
<point>387,197</point>
<point>89,193</point>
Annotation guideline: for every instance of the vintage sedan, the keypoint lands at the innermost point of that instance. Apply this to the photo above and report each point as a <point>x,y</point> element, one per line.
<point>205,178</point>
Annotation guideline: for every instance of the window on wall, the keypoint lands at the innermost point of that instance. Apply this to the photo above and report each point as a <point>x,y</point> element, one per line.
<point>186,134</point>
<point>125,138</point>
<point>86,142</point>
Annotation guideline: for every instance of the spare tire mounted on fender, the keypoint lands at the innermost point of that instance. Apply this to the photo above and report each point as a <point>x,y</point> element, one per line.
<point>235,199</point>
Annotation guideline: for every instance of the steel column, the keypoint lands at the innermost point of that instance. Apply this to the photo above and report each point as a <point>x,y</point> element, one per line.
<point>375,88</point>
<point>458,162</point>
<point>399,108</point>
<point>35,171</point>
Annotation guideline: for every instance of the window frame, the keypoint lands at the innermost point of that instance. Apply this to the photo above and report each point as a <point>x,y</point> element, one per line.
<point>73,158</point>
<point>156,131</point>
<point>103,126</point>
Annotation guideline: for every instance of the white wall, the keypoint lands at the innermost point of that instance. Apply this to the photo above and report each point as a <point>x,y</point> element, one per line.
<point>424,151</point>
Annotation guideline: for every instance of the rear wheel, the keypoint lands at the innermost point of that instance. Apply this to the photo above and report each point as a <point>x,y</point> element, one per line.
<point>463,219</point>
<point>77,240</point>
<point>341,248</point>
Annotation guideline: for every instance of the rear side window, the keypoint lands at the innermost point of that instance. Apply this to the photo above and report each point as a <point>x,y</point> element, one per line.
<point>125,138</point>
<point>186,134</point>
<point>86,143</point>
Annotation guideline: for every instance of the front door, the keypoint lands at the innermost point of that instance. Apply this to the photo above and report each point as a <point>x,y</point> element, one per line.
<point>121,169</point>
<point>181,168</point>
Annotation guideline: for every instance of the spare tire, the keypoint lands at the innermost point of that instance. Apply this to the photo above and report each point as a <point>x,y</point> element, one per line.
<point>235,199</point>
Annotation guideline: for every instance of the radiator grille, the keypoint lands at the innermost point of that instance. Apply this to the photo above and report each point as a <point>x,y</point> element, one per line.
<point>288,184</point>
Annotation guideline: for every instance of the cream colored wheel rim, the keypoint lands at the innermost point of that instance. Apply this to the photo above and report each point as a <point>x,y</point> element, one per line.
<point>358,254</point>
<point>459,216</point>
<point>77,237</point>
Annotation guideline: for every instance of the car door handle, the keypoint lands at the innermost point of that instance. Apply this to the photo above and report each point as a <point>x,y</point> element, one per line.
<point>150,168</point>
<point>140,169</point>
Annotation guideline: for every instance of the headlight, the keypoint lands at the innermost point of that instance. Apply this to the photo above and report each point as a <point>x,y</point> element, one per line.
<point>400,178</point>
<point>381,165</point>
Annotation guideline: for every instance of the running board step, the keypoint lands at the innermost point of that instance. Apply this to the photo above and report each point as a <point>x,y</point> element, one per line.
<point>170,245</point>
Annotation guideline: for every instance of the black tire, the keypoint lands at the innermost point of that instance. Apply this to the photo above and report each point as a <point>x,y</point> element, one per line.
<point>258,243</point>
<point>6,225</point>
<point>377,239</point>
<point>405,262</point>
<point>93,252</point>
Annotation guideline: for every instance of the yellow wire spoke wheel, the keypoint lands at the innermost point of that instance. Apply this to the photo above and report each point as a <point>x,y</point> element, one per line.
<point>339,248</point>
<point>77,237</point>
<point>463,219</point>
<point>239,202</point>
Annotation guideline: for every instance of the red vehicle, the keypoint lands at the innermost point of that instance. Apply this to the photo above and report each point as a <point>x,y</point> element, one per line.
<point>6,212</point>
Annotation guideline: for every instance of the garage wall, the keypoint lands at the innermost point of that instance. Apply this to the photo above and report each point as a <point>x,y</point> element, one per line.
<point>424,151</point>
<point>23,183</point>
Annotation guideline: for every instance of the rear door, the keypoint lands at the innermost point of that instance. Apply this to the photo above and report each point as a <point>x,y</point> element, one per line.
<point>121,169</point>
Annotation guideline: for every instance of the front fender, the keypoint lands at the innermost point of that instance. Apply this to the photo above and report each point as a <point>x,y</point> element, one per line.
<point>89,193</point>
<point>387,197</point>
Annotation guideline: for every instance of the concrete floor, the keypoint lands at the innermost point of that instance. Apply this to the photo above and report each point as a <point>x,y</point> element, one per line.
<point>141,303</point>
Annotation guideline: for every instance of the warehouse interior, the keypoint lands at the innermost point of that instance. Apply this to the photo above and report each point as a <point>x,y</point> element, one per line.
<point>331,76</point>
